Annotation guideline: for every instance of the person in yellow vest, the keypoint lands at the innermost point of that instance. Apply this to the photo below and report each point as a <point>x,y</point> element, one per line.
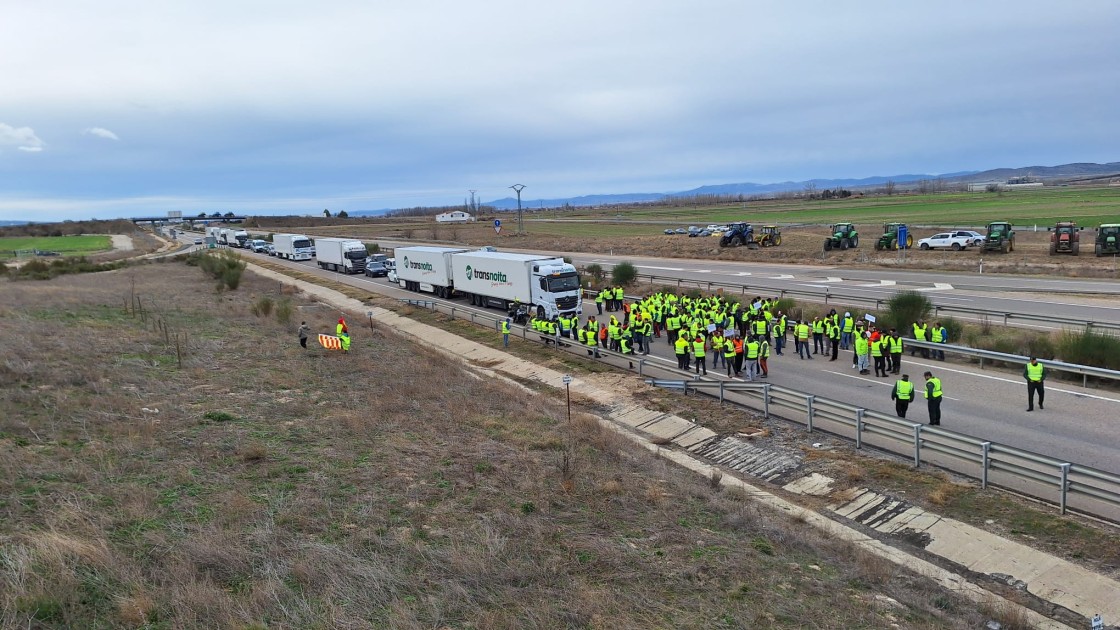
<point>780,333</point>
<point>618,297</point>
<point>896,351</point>
<point>933,398</point>
<point>902,394</point>
<point>343,333</point>
<point>752,352</point>
<point>847,327</point>
<point>938,334</point>
<point>681,348</point>
<point>801,340</point>
<point>863,347</point>
<point>600,297</point>
<point>729,353</point>
<point>832,330</point>
<point>699,348</point>
<point>763,355</point>
<point>1035,373</point>
<point>505,333</point>
<point>591,338</point>
<point>716,343</point>
<point>921,333</point>
<point>879,349</point>
<point>818,335</point>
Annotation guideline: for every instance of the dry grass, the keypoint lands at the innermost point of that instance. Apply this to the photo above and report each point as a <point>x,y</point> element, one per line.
<point>277,487</point>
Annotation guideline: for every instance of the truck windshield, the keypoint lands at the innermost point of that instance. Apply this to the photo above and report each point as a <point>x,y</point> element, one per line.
<point>301,243</point>
<point>562,283</point>
<point>356,256</point>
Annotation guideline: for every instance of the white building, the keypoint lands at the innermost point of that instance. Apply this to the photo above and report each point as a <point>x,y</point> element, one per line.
<point>457,216</point>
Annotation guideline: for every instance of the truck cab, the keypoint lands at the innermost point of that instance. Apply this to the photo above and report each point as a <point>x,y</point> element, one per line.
<point>556,290</point>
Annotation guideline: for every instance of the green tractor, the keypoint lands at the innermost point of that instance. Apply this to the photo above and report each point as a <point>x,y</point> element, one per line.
<point>889,239</point>
<point>1001,238</point>
<point>1108,239</point>
<point>843,236</point>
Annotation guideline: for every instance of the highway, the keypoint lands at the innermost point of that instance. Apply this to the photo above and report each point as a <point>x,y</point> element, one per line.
<point>1079,424</point>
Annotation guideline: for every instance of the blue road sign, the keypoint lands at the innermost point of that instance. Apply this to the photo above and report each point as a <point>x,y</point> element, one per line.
<point>497,223</point>
<point>902,237</point>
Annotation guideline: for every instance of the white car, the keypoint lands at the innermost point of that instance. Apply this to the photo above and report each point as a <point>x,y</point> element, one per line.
<point>975,238</point>
<point>947,240</point>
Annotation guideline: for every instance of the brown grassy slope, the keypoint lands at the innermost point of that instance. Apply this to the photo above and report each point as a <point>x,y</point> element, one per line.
<point>387,488</point>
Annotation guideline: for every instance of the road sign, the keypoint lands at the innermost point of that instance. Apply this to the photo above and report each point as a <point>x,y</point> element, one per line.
<point>497,223</point>
<point>902,237</point>
<point>567,379</point>
<point>497,229</point>
<point>1098,623</point>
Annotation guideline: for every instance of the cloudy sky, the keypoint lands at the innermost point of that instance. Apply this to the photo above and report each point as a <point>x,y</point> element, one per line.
<point>119,108</point>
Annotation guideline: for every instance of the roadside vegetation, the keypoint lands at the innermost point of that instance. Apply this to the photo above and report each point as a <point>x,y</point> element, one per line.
<point>261,485</point>
<point>57,245</point>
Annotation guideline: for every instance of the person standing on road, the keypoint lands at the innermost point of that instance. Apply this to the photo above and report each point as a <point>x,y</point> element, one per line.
<point>902,394</point>
<point>933,398</point>
<point>880,347</point>
<point>939,335</point>
<point>698,352</point>
<point>862,348</point>
<point>834,333</point>
<point>763,354</point>
<point>818,335</point>
<point>1035,373</point>
<point>681,348</point>
<point>896,351</point>
<point>801,336</point>
<point>505,333</point>
<point>847,327</point>
<point>780,333</point>
<point>753,348</point>
<point>304,330</point>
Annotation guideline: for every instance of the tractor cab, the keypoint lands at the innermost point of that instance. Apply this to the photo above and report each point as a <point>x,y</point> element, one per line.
<point>843,236</point>
<point>1108,239</point>
<point>1064,238</point>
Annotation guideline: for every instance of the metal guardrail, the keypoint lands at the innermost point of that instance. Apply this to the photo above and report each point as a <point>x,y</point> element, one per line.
<point>1065,484</point>
<point>877,303</point>
<point>1073,368</point>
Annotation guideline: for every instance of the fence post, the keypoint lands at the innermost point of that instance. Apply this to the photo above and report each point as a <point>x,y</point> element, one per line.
<point>809,406</point>
<point>985,463</point>
<point>766,401</point>
<point>1065,485</point>
<point>859,428</point>
<point>641,362</point>
<point>917,445</point>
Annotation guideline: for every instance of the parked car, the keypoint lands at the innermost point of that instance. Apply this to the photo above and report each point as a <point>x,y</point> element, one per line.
<point>376,268</point>
<point>947,240</point>
<point>259,246</point>
<point>670,231</point>
<point>682,231</point>
<point>270,249</point>
<point>975,238</point>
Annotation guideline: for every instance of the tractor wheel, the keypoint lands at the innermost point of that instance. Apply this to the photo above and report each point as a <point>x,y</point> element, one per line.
<point>909,241</point>
<point>956,247</point>
<point>1053,249</point>
<point>777,240</point>
<point>878,245</point>
<point>1097,249</point>
<point>723,241</point>
<point>736,241</point>
<point>827,244</point>
<point>1011,245</point>
<point>1076,247</point>
<point>1004,248</point>
<point>843,243</point>
<point>855,241</point>
<point>894,244</point>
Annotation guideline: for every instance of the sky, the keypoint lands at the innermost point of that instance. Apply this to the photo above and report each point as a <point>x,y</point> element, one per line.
<point>128,108</point>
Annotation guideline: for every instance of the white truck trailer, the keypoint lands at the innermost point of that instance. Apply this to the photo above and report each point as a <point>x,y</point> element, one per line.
<point>428,269</point>
<point>292,246</point>
<point>240,238</point>
<point>545,284</point>
<point>225,237</point>
<point>343,255</point>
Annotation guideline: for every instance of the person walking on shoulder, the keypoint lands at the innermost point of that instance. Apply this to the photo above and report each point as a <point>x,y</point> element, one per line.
<point>1035,373</point>
<point>902,394</point>
<point>933,398</point>
<point>505,333</point>
<point>304,330</point>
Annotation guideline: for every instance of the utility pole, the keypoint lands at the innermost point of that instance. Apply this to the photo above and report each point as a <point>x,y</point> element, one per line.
<point>474,208</point>
<point>518,188</point>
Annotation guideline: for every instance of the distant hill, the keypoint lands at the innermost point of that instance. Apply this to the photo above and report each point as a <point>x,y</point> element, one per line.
<point>1081,170</point>
<point>9,223</point>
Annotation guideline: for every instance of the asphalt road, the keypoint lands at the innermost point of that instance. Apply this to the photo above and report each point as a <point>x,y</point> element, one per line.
<point>1081,425</point>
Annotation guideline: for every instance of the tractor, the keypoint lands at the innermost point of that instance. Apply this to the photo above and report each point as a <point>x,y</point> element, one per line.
<point>769,236</point>
<point>1001,238</point>
<point>889,239</point>
<point>1064,238</point>
<point>738,234</point>
<point>1108,239</point>
<point>843,236</point>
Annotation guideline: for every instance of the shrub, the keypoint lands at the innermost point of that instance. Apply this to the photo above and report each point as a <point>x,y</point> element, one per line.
<point>284,311</point>
<point>596,272</point>
<point>226,267</point>
<point>373,248</point>
<point>623,274</point>
<point>785,305</point>
<point>1041,346</point>
<point>905,308</point>
<point>1090,348</point>
<point>262,307</point>
<point>954,329</point>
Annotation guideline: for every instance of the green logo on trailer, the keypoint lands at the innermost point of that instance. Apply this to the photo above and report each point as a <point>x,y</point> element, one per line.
<point>470,272</point>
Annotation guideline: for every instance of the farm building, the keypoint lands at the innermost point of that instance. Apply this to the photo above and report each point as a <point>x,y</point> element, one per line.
<point>457,216</point>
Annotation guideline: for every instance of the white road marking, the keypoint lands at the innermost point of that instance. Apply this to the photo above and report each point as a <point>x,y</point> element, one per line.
<point>659,268</point>
<point>784,276</point>
<point>1012,381</point>
<point>891,384</point>
<point>881,283</point>
<point>743,273</point>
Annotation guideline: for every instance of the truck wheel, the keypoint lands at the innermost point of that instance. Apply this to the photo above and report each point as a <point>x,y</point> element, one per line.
<point>540,312</point>
<point>956,247</point>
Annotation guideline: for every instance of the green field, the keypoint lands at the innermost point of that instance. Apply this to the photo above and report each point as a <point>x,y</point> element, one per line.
<point>64,245</point>
<point>1087,206</point>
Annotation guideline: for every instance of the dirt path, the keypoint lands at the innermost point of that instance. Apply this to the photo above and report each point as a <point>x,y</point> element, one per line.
<point>122,242</point>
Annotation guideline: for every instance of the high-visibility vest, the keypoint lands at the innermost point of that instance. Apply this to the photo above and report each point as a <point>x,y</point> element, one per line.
<point>738,346</point>
<point>1034,372</point>
<point>728,349</point>
<point>673,322</point>
<point>624,345</point>
<point>849,324</point>
<point>599,299</point>
<point>936,382</point>
<point>618,295</point>
<point>681,345</point>
<point>834,331</point>
<point>803,332</point>
<point>505,328</point>
<point>764,349</point>
<point>752,349</point>
<point>937,335</point>
<point>818,327</point>
<point>613,331</point>
<point>876,349</point>
<point>581,335</point>
<point>698,349</point>
<point>920,332</point>
<point>896,345</point>
<point>760,327</point>
<point>782,326</point>
<point>589,337</point>
<point>861,345</point>
<point>904,390</point>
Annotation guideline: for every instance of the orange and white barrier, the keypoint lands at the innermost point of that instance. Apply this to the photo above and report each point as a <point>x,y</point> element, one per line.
<point>330,342</point>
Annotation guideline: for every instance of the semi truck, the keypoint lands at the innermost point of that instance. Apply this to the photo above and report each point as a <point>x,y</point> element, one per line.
<point>545,284</point>
<point>428,269</point>
<point>225,237</point>
<point>343,255</point>
<point>240,238</point>
<point>292,246</point>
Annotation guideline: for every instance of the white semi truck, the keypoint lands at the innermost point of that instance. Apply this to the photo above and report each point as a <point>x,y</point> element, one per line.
<point>292,246</point>
<point>343,255</point>
<point>240,238</point>
<point>225,237</point>
<point>426,269</point>
<point>545,284</point>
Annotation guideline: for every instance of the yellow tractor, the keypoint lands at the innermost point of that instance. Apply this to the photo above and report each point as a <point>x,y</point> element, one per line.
<point>768,236</point>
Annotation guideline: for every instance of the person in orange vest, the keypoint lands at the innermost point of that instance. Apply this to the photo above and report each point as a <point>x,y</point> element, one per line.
<point>738,341</point>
